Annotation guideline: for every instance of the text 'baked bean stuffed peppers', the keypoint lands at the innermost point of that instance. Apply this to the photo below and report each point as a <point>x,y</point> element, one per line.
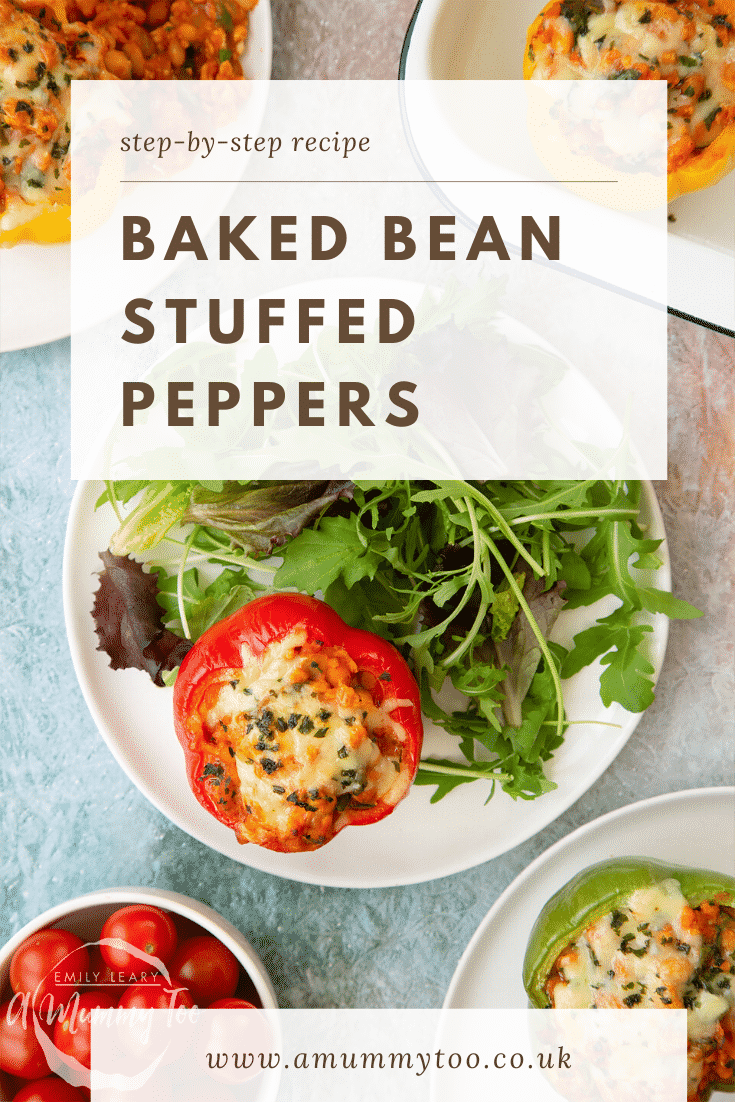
<point>633,932</point>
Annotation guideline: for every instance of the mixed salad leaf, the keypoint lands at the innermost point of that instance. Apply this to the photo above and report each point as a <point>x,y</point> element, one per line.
<point>465,578</point>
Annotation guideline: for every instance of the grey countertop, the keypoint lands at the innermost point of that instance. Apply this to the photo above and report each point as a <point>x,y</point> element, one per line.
<point>71,821</point>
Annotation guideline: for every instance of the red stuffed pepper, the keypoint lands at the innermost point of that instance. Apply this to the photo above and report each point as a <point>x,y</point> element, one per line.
<point>295,725</point>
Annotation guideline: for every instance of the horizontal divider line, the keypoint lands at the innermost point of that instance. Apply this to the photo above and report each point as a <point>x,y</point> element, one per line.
<point>369,181</point>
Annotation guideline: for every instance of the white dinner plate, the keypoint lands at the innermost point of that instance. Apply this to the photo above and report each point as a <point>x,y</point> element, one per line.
<point>419,841</point>
<point>35,280</point>
<point>694,828</point>
<point>485,40</point>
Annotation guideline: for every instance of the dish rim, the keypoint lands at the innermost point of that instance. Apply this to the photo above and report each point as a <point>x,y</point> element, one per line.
<point>305,874</point>
<point>548,855</point>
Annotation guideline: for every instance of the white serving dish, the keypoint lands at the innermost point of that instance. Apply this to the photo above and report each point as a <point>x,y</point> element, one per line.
<point>85,916</point>
<point>485,40</point>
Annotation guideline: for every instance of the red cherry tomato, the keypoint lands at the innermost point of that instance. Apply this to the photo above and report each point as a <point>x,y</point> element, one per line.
<point>20,1052</point>
<point>73,1029</point>
<point>139,927</point>
<point>232,1004</point>
<point>50,1089</point>
<point>156,993</point>
<point>49,966</point>
<point>186,928</point>
<point>100,975</point>
<point>206,968</point>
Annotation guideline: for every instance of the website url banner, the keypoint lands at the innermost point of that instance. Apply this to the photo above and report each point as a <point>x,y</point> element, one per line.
<point>406,1055</point>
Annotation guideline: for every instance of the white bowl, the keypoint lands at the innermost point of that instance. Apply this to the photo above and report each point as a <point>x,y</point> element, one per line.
<point>486,40</point>
<point>46,269</point>
<point>85,916</point>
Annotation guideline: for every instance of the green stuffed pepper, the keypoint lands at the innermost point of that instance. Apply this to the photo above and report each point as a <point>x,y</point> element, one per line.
<point>635,932</point>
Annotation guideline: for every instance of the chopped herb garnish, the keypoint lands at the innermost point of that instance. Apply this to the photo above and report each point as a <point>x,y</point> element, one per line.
<point>306,726</point>
<point>625,946</point>
<point>343,752</point>
<point>294,799</point>
<point>214,770</point>
<point>578,14</point>
<point>278,788</point>
<point>270,766</point>
<point>632,1000</point>
<point>689,62</point>
<point>385,677</point>
<point>711,117</point>
<point>616,920</point>
<point>226,19</point>
<point>293,719</point>
<point>281,724</point>
<point>321,733</point>
<point>646,17</point>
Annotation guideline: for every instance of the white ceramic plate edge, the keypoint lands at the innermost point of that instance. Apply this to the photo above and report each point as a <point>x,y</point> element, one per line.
<point>78,632</point>
<point>54,269</point>
<point>700,278</point>
<point>184,905</point>
<point>466,961</point>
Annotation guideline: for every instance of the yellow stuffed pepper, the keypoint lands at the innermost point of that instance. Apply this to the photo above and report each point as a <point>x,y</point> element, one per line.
<point>688,43</point>
<point>45,44</point>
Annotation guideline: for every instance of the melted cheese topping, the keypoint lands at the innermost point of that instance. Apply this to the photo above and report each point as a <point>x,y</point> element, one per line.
<point>690,46</point>
<point>37,65</point>
<point>43,47</point>
<point>651,953</point>
<point>308,744</point>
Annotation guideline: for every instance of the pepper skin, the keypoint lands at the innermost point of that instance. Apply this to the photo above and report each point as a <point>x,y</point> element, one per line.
<point>597,891</point>
<point>211,750</point>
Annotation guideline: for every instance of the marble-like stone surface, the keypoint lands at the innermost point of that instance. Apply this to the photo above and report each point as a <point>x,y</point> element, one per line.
<point>71,821</point>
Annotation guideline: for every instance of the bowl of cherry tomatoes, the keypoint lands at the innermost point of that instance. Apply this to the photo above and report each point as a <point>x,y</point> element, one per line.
<point>135,948</point>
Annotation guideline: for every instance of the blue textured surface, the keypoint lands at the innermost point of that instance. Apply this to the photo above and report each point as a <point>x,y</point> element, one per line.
<point>71,822</point>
